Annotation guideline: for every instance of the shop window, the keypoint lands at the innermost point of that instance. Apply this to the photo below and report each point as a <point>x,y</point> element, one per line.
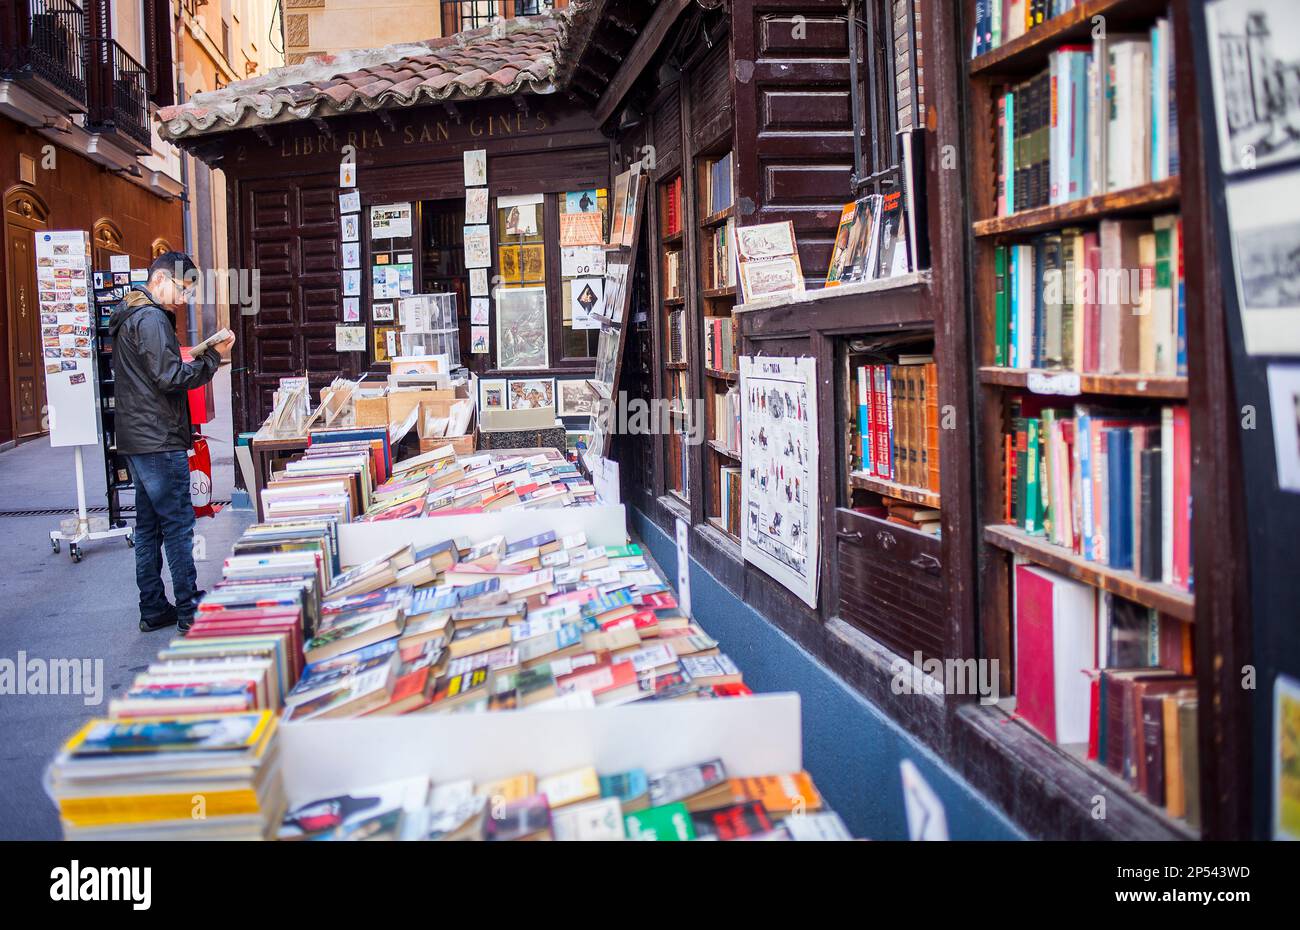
<point>583,219</point>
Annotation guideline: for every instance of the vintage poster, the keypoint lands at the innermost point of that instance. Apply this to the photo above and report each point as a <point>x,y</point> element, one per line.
<point>478,340</point>
<point>1265,235</point>
<point>587,302</point>
<point>352,283</point>
<point>521,328</point>
<point>576,398</point>
<point>478,247</point>
<point>351,309</point>
<point>581,260</point>
<point>347,174</point>
<point>351,223</point>
<point>478,282</point>
<point>350,202</point>
<point>476,168</point>
<point>779,491</point>
<point>349,339</point>
<point>478,311</point>
<point>1284,398</point>
<point>476,206</point>
<point>390,221</point>
<point>352,255</point>
<point>381,312</point>
<point>532,394</point>
<point>492,394</point>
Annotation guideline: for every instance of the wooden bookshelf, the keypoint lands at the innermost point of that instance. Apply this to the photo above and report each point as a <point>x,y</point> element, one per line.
<point>1166,387</point>
<point>716,302</point>
<point>1156,197</point>
<point>1164,598</point>
<point>1029,51</point>
<point>672,220</point>
<point>1003,545</point>
<point>921,496</point>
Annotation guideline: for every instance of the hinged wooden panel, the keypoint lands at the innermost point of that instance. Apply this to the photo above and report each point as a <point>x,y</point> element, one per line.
<point>891,583</point>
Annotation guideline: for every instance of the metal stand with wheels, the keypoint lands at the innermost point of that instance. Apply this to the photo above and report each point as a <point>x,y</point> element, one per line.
<point>84,528</point>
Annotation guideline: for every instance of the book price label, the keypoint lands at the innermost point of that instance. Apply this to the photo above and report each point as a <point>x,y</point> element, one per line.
<point>1065,383</point>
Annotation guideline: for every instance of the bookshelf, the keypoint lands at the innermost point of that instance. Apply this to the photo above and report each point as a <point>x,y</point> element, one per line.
<point>715,195</point>
<point>1121,370</point>
<point>672,290</point>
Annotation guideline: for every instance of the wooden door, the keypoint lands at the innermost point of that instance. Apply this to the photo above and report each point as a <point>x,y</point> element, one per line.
<point>291,239</point>
<point>24,215</point>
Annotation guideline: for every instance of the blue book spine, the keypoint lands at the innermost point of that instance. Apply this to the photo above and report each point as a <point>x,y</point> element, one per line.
<point>1040,304</point>
<point>1182,322</point>
<point>1082,422</point>
<point>1119,460</point>
<point>1013,289</point>
<point>1079,125</point>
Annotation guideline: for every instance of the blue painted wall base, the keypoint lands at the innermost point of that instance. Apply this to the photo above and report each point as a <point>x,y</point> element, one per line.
<point>852,749</point>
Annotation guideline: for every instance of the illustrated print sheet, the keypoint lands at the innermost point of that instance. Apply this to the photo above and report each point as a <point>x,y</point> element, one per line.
<point>779,429</point>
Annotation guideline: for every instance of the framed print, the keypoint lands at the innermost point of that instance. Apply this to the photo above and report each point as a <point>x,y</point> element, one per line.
<point>382,312</point>
<point>352,255</point>
<point>521,220</point>
<point>478,282</point>
<point>351,309</point>
<point>352,283</point>
<point>635,184</point>
<point>349,339</point>
<point>478,247</point>
<point>766,279</point>
<point>347,174</point>
<point>767,240</point>
<point>532,263</point>
<point>586,302</point>
<point>1284,399</point>
<point>478,340</point>
<point>385,343</point>
<point>508,263</point>
<point>478,311</point>
<point>1264,230</point>
<point>351,223</point>
<point>492,394</point>
<point>522,340</point>
<point>475,167</point>
<point>582,260</point>
<point>350,202</point>
<point>532,393</point>
<point>476,206</point>
<point>576,398</point>
<point>1254,54</point>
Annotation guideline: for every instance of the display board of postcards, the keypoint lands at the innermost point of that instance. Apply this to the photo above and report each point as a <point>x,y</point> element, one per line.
<point>620,266</point>
<point>389,231</point>
<point>110,288</point>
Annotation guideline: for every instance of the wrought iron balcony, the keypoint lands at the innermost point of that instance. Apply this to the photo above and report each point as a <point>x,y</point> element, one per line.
<point>119,91</point>
<point>43,40</point>
<point>463,15</point>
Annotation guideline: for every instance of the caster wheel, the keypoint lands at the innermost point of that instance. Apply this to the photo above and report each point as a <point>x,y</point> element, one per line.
<point>75,552</point>
<point>130,542</point>
<point>54,546</point>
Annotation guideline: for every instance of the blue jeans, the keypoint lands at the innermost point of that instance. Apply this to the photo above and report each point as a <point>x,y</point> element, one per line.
<point>164,517</point>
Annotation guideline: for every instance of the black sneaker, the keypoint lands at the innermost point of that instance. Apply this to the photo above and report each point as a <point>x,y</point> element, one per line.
<point>159,622</point>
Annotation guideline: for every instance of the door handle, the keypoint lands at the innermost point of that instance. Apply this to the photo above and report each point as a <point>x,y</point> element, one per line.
<point>849,536</point>
<point>927,563</point>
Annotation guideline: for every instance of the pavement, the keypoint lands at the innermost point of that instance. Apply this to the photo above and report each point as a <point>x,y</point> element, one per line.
<point>53,609</point>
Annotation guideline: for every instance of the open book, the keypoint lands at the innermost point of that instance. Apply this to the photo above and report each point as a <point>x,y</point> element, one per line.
<point>220,335</point>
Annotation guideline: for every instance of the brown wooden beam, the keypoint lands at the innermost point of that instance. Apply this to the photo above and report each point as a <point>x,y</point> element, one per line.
<point>647,44</point>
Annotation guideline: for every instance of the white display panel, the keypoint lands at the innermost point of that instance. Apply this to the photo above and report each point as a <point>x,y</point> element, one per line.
<point>67,336</point>
<point>758,735</point>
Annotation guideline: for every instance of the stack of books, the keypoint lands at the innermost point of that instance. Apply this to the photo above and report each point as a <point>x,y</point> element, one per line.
<point>677,337</point>
<point>1101,118</point>
<point>729,493</point>
<point>898,421</point>
<point>695,802</point>
<point>718,255</point>
<point>1133,707</point>
<point>717,193</point>
<point>327,482</point>
<point>673,207</point>
<point>1111,485</point>
<point>193,777</point>
<point>439,482</point>
<point>461,626</point>
<point>673,274</point>
<point>719,343</point>
<point>1108,300</point>
<point>726,419</point>
<point>999,21</point>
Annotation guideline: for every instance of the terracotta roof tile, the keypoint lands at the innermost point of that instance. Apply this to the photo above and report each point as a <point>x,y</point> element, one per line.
<point>514,56</point>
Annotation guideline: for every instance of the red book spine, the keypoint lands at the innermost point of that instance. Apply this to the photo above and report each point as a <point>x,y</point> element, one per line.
<point>1182,499</point>
<point>867,377</point>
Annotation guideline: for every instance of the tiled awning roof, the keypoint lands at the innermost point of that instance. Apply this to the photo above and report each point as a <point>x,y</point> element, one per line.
<point>512,56</point>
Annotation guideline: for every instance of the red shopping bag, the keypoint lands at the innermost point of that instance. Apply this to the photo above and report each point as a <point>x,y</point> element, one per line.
<point>201,479</point>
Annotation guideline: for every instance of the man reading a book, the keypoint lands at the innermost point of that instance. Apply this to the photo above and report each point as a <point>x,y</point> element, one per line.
<point>154,434</point>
